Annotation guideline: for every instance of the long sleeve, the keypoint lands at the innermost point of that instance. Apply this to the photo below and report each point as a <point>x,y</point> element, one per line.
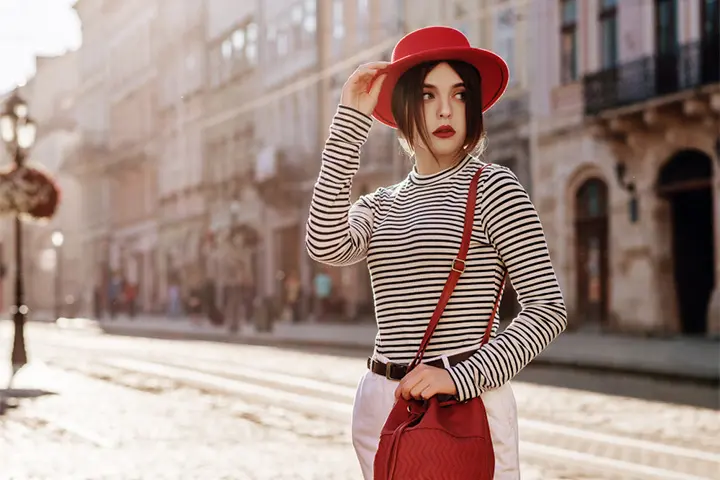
<point>338,233</point>
<point>511,224</point>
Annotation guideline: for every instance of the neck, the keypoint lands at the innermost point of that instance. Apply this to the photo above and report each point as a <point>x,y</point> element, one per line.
<point>426,164</point>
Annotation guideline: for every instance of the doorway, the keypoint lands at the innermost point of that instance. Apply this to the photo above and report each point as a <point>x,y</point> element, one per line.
<point>686,183</point>
<point>591,252</point>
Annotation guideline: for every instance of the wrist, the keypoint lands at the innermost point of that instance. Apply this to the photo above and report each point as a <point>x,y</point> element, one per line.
<point>355,108</point>
<point>354,125</point>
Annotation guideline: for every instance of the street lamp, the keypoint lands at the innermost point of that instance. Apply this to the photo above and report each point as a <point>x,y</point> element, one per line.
<point>18,131</point>
<point>57,239</point>
<point>630,187</point>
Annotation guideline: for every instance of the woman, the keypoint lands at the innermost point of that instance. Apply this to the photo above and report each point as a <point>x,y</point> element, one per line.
<point>434,92</point>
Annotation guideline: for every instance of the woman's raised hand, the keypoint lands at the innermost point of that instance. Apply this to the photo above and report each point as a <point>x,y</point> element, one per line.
<point>357,93</point>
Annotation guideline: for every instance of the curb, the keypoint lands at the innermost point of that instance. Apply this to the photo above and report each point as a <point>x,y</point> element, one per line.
<point>545,358</point>
<point>223,336</point>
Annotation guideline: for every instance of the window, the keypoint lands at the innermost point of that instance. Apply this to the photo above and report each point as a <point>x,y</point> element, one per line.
<point>568,41</point>
<point>710,20</point>
<point>296,21</point>
<point>363,21</point>
<point>282,43</point>
<point>226,49</point>
<point>504,37</point>
<point>338,28</point>
<point>225,61</point>
<point>251,48</point>
<point>665,27</point>
<point>310,19</point>
<point>271,37</point>
<point>338,20</point>
<point>240,50</point>
<point>238,39</point>
<point>608,34</point>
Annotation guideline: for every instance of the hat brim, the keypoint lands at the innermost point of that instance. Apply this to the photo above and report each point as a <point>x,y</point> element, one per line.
<point>492,68</point>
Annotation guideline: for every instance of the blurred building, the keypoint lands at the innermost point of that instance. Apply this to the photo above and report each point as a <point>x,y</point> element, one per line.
<point>274,80</point>
<point>229,145</point>
<point>50,94</point>
<point>134,144</point>
<point>87,162</point>
<point>199,125</point>
<point>180,59</point>
<point>626,97</point>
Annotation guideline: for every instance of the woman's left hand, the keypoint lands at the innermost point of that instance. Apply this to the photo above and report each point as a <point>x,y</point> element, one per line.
<point>424,382</point>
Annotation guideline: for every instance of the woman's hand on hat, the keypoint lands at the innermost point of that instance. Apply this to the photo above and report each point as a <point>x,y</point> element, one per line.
<point>358,93</point>
<point>424,382</point>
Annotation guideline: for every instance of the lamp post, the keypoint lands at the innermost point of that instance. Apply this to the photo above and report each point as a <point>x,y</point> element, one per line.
<point>57,239</point>
<point>18,133</point>
<point>630,187</point>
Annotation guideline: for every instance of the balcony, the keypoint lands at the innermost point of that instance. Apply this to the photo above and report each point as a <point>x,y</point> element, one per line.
<point>692,66</point>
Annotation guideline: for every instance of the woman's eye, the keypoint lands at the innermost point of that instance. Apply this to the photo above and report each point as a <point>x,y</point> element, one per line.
<point>460,96</point>
<point>427,96</point>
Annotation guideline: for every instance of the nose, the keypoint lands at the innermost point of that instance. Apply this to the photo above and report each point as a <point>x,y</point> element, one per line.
<point>445,109</point>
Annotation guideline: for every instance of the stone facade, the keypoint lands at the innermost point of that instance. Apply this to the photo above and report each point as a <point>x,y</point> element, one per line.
<point>180,59</point>
<point>86,163</point>
<point>132,166</point>
<point>609,172</point>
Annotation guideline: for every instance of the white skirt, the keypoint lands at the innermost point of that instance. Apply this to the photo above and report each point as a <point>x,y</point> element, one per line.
<point>375,398</point>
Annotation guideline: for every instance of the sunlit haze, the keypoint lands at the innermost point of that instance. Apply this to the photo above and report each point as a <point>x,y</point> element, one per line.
<point>33,27</point>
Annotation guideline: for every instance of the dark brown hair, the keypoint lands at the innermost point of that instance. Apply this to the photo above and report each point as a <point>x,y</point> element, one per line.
<point>407,101</point>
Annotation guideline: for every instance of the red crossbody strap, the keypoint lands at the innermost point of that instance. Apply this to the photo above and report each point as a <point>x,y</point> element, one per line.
<point>458,267</point>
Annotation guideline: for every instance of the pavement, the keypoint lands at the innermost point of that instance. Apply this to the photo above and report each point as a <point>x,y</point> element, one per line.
<point>136,407</point>
<point>679,358</point>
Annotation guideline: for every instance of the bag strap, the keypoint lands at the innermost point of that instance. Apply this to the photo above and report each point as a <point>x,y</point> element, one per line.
<point>458,267</point>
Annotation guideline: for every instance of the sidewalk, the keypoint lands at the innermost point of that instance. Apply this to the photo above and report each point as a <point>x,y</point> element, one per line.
<point>694,359</point>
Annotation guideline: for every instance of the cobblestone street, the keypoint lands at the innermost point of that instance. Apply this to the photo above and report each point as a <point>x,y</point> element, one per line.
<point>137,408</point>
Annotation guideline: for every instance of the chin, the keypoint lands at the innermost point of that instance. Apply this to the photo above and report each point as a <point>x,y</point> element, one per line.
<point>443,149</point>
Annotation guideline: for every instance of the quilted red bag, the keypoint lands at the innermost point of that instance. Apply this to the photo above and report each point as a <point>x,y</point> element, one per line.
<point>440,438</point>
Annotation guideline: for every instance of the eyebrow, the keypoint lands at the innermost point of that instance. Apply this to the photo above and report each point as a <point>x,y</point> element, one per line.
<point>457,85</point>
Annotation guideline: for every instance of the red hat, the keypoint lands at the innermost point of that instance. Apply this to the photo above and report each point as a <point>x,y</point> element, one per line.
<point>440,43</point>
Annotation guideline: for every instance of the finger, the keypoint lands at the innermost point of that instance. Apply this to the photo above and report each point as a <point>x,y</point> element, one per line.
<point>401,386</point>
<point>363,75</point>
<point>429,392</point>
<point>412,382</point>
<point>377,65</point>
<point>418,389</point>
<point>377,85</point>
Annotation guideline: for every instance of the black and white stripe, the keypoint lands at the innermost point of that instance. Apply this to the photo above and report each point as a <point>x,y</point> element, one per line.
<point>411,232</point>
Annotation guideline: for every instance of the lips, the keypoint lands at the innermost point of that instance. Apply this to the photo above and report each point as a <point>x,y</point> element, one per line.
<point>446,131</point>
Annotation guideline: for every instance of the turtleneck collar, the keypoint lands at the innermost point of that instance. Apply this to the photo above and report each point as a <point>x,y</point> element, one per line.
<point>419,179</point>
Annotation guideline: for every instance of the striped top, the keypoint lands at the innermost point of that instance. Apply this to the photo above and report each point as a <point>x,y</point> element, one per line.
<point>411,232</point>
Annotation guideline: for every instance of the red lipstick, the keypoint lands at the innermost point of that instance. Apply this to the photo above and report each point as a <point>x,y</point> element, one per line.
<point>445,131</point>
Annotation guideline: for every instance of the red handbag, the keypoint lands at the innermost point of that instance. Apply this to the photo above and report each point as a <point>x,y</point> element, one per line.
<point>439,438</point>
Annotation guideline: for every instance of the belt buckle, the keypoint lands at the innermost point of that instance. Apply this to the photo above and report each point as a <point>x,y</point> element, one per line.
<point>388,370</point>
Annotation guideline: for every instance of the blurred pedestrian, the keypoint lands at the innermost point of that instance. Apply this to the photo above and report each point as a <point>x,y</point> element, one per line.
<point>233,298</point>
<point>292,295</point>
<point>97,302</point>
<point>418,242</point>
<point>115,291</point>
<point>323,290</point>
<point>174,299</point>
<point>130,292</point>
